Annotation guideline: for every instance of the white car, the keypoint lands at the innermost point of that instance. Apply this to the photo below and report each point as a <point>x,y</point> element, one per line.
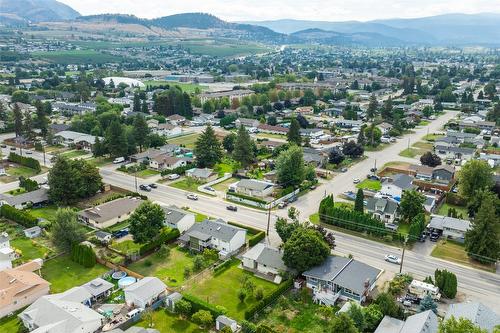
<point>173,176</point>
<point>356,180</point>
<point>392,259</point>
<point>192,196</point>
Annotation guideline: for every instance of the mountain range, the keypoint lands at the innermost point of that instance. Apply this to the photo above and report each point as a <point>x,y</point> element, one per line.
<point>449,29</point>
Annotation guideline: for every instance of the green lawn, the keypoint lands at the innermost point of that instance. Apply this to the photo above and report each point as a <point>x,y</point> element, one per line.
<point>426,146</point>
<point>170,270</point>
<point>17,191</point>
<point>64,274</point>
<point>404,228</point>
<point>74,153</point>
<point>187,87</point>
<point>10,324</point>
<point>369,184</point>
<point>455,252</point>
<point>314,218</point>
<point>126,247</point>
<point>432,137</point>
<point>186,185</point>
<point>199,217</point>
<point>118,226</point>
<point>187,141</point>
<point>223,186</point>
<point>77,57</point>
<point>424,123</point>
<point>409,152</point>
<point>166,322</point>
<point>147,173</point>
<point>17,171</point>
<point>223,290</point>
<point>30,249</point>
<point>47,212</point>
<point>379,147</point>
<point>100,161</point>
<point>443,210</point>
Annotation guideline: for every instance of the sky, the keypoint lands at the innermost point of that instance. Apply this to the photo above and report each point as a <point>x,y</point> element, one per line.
<point>258,10</point>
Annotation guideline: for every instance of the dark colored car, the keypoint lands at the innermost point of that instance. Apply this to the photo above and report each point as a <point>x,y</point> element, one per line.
<point>373,169</point>
<point>232,208</point>
<point>145,188</point>
<point>121,233</point>
<point>153,185</point>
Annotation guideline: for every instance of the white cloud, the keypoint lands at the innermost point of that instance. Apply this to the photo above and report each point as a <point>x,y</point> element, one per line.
<point>326,10</point>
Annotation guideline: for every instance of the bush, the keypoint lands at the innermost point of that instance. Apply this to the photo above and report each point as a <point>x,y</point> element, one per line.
<point>23,218</point>
<point>446,281</point>
<point>250,229</point>
<point>246,197</point>
<point>256,238</point>
<point>166,235</point>
<point>259,306</point>
<point>25,161</point>
<point>222,267</point>
<point>83,255</point>
<point>179,170</point>
<point>198,304</point>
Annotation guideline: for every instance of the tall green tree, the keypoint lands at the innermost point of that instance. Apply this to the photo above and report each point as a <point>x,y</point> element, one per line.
<point>42,121</point>
<point>137,103</point>
<point>65,229</point>
<point>208,149</point>
<point>18,120</point>
<point>116,141</point>
<point>290,170</point>
<point>146,222</point>
<point>359,202</point>
<point>243,148</point>
<point>304,249</point>
<point>372,107</point>
<point>412,204</point>
<point>141,131</point>
<point>293,135</point>
<point>373,135</point>
<point>460,325</point>
<point>28,125</point>
<point>357,315</point>
<point>474,176</point>
<point>481,241</point>
<point>341,323</point>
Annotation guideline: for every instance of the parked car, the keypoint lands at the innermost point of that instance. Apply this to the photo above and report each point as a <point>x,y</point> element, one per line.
<point>173,176</point>
<point>145,188</point>
<point>13,148</point>
<point>373,169</point>
<point>282,205</point>
<point>4,146</point>
<point>392,259</point>
<point>119,160</point>
<point>209,188</point>
<point>153,185</point>
<point>292,199</point>
<point>120,233</point>
<point>391,226</point>
<point>28,152</point>
<point>356,181</point>
<point>434,237</point>
<point>343,170</point>
<point>192,196</point>
<point>232,208</point>
<point>373,177</point>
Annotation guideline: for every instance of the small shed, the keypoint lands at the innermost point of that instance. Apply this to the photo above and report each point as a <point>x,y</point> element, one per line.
<point>32,232</point>
<point>171,300</point>
<point>223,321</point>
<point>103,236</point>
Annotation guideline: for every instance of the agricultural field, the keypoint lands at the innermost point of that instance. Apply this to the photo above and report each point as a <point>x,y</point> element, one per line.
<point>187,141</point>
<point>76,57</point>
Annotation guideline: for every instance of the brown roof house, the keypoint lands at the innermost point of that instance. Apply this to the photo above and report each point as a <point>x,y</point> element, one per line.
<point>109,213</point>
<point>20,286</point>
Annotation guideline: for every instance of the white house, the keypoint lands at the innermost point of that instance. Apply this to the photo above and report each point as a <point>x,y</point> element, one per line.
<point>178,218</point>
<point>168,130</point>
<point>385,210</point>
<point>144,292</point>
<point>452,227</point>
<point>266,260</point>
<point>396,185</point>
<point>76,139</point>
<point>215,235</point>
<point>7,254</point>
<point>254,188</point>
<point>166,162</point>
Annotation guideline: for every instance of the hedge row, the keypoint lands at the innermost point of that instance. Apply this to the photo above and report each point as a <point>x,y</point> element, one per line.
<point>256,238</point>
<point>25,161</point>
<point>23,218</point>
<point>198,304</point>
<point>268,299</point>
<point>83,255</point>
<point>251,230</point>
<point>222,267</point>
<point>166,235</point>
<point>247,197</point>
<point>179,170</point>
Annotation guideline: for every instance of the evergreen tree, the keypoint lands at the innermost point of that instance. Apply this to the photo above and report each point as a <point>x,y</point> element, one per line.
<point>359,203</point>
<point>355,312</point>
<point>361,137</point>
<point>293,135</point>
<point>41,119</point>
<point>481,241</point>
<point>18,120</point>
<point>208,149</point>
<point>65,229</point>
<point>290,170</point>
<point>188,107</point>
<point>116,141</point>
<point>137,103</point>
<point>140,131</point>
<point>144,107</point>
<point>372,107</point>
<point>427,303</point>
<point>387,109</point>
<point>243,148</point>
<point>304,249</point>
<point>28,125</point>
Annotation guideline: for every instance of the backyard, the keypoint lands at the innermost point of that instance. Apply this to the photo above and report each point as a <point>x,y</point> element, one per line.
<point>166,322</point>
<point>170,270</point>
<point>187,141</point>
<point>216,290</point>
<point>461,210</point>
<point>47,212</point>
<point>30,249</point>
<point>369,184</point>
<point>16,171</point>
<point>126,247</point>
<point>63,273</point>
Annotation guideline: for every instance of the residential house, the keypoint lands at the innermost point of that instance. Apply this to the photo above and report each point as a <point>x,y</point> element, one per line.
<point>385,128</point>
<point>492,159</point>
<point>477,313</point>
<point>271,145</point>
<point>103,236</point>
<point>178,218</point>
<point>223,321</point>
<point>99,289</point>
<point>176,120</point>
<point>429,203</point>
<point>146,156</point>
<point>21,286</point>
<point>56,128</point>
<point>451,227</point>
<point>254,188</point>
<point>423,322</point>
<point>304,110</point>
<point>340,277</point>
<point>231,94</point>
<point>109,213</point>
<point>313,133</point>
<point>396,185</point>
<point>168,130</point>
<point>422,172</point>
<point>152,124</point>
<point>135,329</point>
<point>145,292</point>
<point>265,260</point>
<point>76,140</point>
<point>246,122</point>
<point>454,154</point>
<point>202,175</point>
<point>314,157</point>
<point>385,210</point>
<point>214,234</point>
<point>66,312</point>
<point>265,128</point>
<point>36,198</point>
<point>166,162</point>
<point>32,232</point>
<point>443,173</point>
<point>7,254</point>
<point>203,119</point>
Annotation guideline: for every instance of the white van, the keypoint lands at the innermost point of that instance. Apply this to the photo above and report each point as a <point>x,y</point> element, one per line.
<point>119,160</point>
<point>134,313</point>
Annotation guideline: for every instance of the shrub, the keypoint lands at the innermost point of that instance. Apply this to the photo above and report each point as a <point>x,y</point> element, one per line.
<point>222,267</point>
<point>23,218</point>
<point>256,238</point>
<point>83,255</point>
<point>198,304</point>
<point>259,306</point>
<point>25,161</point>
<point>250,230</point>
<point>165,236</point>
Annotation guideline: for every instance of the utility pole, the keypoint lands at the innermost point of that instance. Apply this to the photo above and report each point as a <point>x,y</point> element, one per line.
<point>43,149</point>
<point>408,144</point>
<point>268,219</point>
<point>403,255</point>
<point>135,179</point>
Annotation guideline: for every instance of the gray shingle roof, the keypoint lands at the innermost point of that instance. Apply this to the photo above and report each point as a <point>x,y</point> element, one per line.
<point>98,286</point>
<point>173,214</point>
<point>403,181</point>
<point>266,255</point>
<point>389,325</point>
<point>111,209</point>
<point>225,320</point>
<point>477,313</point>
<point>440,222</point>
<point>255,185</point>
<point>345,272</point>
<point>147,287</point>
<point>389,206</point>
<point>35,197</point>
<point>217,229</point>
<point>424,322</point>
